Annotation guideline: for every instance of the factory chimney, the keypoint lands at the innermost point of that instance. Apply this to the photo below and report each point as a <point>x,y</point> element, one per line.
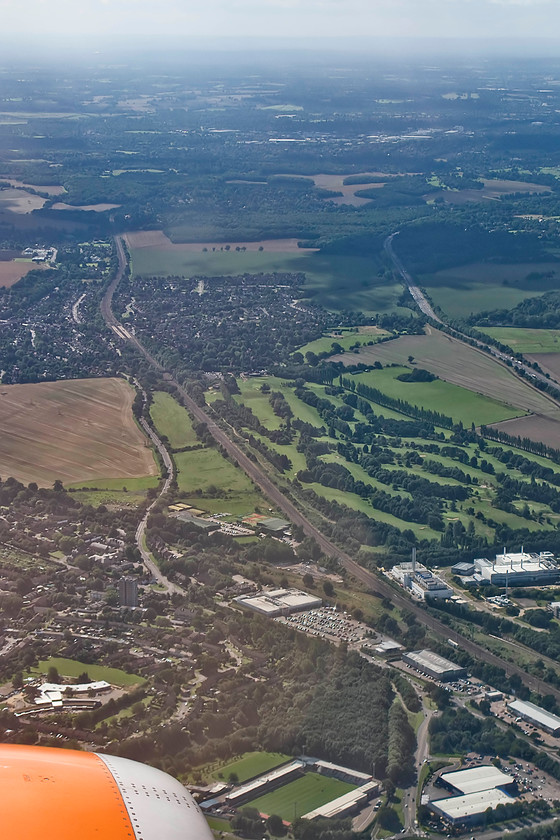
<point>414,560</point>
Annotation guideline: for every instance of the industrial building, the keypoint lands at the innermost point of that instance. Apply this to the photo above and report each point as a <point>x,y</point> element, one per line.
<point>463,569</point>
<point>535,715</point>
<point>420,580</point>
<point>522,569</point>
<point>275,602</point>
<point>429,663</point>
<point>469,809</point>
<point>554,608</point>
<point>476,780</point>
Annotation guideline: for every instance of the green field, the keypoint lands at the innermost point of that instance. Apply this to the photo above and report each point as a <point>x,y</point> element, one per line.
<point>354,502</point>
<point>73,668</point>
<point>347,339</point>
<point>526,341</point>
<point>305,794</point>
<point>21,560</point>
<point>172,420</point>
<point>110,491</point>
<point>252,396</point>
<point>215,482</point>
<point>452,400</point>
<point>476,373</point>
<point>250,765</point>
<point>337,282</point>
<point>476,287</point>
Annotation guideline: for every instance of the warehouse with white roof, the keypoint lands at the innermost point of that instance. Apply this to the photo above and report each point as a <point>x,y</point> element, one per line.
<point>275,602</point>
<point>519,569</point>
<point>470,808</point>
<point>535,715</point>
<point>429,663</point>
<point>476,779</point>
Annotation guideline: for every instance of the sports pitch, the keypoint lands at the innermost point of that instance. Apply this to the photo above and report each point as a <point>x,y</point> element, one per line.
<point>301,796</point>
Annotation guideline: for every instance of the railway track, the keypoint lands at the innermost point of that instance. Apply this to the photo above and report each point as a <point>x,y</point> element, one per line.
<point>372,582</point>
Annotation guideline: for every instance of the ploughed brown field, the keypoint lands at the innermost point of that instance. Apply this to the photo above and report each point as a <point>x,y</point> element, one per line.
<point>11,272</point>
<point>549,362</point>
<point>49,189</point>
<point>541,429</point>
<point>73,430</point>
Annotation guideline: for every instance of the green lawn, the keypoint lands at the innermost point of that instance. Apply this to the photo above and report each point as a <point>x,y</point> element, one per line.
<point>452,400</point>
<point>111,491</point>
<point>172,420</point>
<point>346,340</point>
<point>133,485</point>
<point>218,824</point>
<point>204,473</point>
<point>73,668</point>
<point>527,341</point>
<point>259,403</point>
<point>354,502</point>
<point>250,765</point>
<point>301,796</point>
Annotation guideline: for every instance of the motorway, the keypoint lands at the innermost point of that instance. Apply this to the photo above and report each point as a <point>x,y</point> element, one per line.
<point>372,582</point>
<point>420,298</point>
<point>514,365</point>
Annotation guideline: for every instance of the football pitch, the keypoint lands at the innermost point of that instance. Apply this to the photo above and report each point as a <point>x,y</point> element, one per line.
<point>301,796</point>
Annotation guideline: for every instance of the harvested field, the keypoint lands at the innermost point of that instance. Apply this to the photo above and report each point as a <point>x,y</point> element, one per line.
<point>336,183</point>
<point>457,363</point>
<point>96,208</point>
<point>11,272</point>
<point>549,362</point>
<point>498,187</point>
<point>543,429</point>
<point>493,190</point>
<point>158,239</point>
<point>50,189</point>
<point>19,201</point>
<point>71,430</point>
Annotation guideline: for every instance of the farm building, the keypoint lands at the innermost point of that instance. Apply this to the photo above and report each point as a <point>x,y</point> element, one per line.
<point>275,602</point>
<point>522,569</point>
<point>535,715</point>
<point>345,804</point>
<point>476,779</point>
<point>469,809</point>
<point>429,663</point>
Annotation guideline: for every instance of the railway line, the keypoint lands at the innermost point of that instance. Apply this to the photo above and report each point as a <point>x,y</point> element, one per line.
<point>371,581</point>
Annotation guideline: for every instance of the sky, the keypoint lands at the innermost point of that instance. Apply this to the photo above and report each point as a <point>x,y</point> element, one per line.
<point>306,19</point>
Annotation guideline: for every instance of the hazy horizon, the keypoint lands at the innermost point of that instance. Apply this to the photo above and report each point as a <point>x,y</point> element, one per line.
<point>354,22</point>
